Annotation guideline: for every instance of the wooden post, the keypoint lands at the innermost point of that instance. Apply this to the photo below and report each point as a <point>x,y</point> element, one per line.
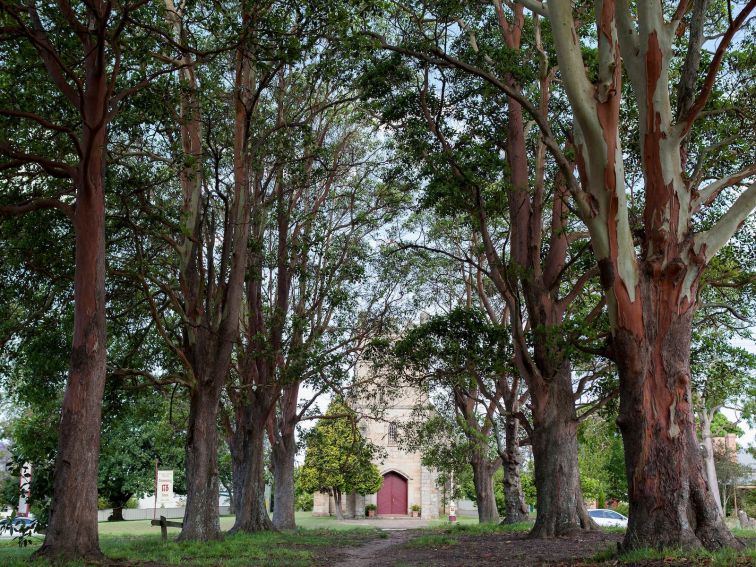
<point>163,528</point>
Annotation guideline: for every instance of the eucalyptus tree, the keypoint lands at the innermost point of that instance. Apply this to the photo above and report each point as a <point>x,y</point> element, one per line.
<point>480,161</point>
<point>650,296</point>
<point>723,376</point>
<point>72,59</point>
<point>339,299</point>
<point>651,280</point>
<point>191,268</point>
<point>462,357</point>
<point>310,302</point>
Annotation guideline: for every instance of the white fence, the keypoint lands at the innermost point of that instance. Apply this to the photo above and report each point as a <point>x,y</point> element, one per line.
<point>147,513</point>
<point>466,508</point>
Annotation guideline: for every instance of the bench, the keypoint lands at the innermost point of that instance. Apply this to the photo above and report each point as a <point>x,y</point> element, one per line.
<point>164,525</point>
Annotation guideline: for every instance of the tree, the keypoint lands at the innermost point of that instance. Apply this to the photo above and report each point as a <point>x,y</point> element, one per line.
<point>601,457</point>
<point>58,133</point>
<point>722,376</point>
<point>650,277</point>
<point>651,296</point>
<point>338,460</point>
<point>459,359</point>
<point>473,82</point>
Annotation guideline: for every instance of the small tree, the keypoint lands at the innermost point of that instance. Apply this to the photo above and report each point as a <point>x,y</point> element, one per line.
<point>338,458</point>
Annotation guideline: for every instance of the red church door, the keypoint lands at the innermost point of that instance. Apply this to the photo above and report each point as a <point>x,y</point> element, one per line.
<point>392,497</point>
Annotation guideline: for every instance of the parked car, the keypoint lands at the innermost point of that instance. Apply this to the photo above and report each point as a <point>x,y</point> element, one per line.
<point>17,524</point>
<point>608,518</point>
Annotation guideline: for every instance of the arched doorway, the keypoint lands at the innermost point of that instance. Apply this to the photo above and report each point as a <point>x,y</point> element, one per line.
<point>392,497</point>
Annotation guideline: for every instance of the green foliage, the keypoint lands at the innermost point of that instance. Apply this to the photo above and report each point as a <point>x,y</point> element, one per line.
<point>303,500</point>
<point>721,426</point>
<point>601,459</point>
<point>9,492</point>
<point>337,456</point>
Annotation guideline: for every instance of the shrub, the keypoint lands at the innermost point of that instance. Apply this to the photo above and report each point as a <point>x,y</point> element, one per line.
<point>305,502</point>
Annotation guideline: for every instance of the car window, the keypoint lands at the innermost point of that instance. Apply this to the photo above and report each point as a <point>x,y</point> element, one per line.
<point>616,515</point>
<point>597,514</point>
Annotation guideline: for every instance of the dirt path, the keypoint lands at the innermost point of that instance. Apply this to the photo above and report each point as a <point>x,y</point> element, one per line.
<point>462,550</point>
<point>365,554</point>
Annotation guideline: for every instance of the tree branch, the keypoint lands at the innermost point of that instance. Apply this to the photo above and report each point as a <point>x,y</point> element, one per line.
<point>710,242</point>
<point>691,115</point>
<point>36,205</point>
<point>708,194</point>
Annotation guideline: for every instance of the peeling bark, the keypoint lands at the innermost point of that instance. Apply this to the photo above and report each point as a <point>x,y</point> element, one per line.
<point>650,296</point>
<point>671,503</point>
<point>72,529</point>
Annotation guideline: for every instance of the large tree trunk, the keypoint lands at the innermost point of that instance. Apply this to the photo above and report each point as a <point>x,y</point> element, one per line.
<point>671,504</point>
<point>283,454</point>
<point>483,472</point>
<point>515,509</point>
<point>117,515</point>
<point>201,517</point>
<point>72,530</point>
<point>560,507</point>
<point>248,461</point>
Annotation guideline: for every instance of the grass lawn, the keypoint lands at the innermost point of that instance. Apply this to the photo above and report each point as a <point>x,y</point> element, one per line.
<point>725,557</point>
<point>138,541</point>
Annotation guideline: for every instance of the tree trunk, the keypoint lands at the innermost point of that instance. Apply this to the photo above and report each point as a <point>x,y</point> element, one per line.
<point>201,517</point>
<point>247,456</point>
<point>283,454</point>
<point>72,530</point>
<point>560,507</point>
<point>483,471</point>
<point>337,504</point>
<point>515,509</point>
<point>117,515</point>
<point>671,503</point>
<point>708,456</point>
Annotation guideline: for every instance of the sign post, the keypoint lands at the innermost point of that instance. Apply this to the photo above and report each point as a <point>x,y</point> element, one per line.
<point>164,490</point>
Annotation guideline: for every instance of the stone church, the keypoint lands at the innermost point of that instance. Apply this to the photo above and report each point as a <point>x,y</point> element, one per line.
<point>406,482</point>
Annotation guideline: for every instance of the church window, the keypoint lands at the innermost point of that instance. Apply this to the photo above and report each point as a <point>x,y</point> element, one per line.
<point>393,434</point>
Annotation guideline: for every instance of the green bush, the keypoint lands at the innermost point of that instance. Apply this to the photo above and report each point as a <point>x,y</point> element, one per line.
<point>305,502</point>
<point>601,497</point>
